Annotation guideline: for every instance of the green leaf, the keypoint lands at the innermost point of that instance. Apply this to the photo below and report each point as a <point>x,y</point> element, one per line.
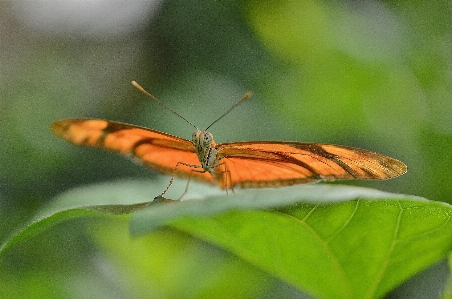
<point>330,241</point>
<point>355,249</point>
<point>98,200</point>
<point>250,199</point>
<point>363,245</point>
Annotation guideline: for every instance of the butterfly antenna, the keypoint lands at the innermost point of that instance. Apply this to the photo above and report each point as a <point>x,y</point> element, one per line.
<point>138,86</point>
<point>243,99</point>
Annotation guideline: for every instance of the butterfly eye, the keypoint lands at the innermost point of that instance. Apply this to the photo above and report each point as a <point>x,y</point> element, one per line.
<point>193,137</point>
<point>207,138</point>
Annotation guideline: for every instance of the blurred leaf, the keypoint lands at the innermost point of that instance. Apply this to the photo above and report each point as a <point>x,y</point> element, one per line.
<point>40,286</point>
<point>345,68</point>
<point>429,283</point>
<point>363,242</point>
<point>171,264</point>
<point>448,290</point>
<point>436,171</point>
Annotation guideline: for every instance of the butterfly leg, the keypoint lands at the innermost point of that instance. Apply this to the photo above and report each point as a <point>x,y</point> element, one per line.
<point>186,187</point>
<point>224,175</point>
<point>188,183</point>
<point>172,178</point>
<point>228,178</point>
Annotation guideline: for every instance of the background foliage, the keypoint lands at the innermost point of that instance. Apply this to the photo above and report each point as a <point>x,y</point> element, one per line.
<point>369,74</point>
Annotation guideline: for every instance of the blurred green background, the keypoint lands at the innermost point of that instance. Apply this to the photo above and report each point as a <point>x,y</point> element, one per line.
<point>370,74</point>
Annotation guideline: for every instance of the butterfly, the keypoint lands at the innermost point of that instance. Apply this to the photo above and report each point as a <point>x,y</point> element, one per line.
<point>229,165</point>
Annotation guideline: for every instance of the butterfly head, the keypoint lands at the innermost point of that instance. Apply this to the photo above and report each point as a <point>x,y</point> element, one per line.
<point>205,149</point>
<point>202,139</point>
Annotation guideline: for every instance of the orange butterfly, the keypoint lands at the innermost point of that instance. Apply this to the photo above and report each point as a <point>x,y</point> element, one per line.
<point>244,164</point>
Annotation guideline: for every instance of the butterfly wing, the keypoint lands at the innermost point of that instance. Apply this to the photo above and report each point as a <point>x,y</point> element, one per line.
<point>154,149</point>
<point>263,164</point>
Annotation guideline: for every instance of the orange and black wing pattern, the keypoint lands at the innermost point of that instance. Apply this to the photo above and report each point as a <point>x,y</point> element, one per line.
<point>154,149</point>
<point>266,164</point>
<point>239,164</point>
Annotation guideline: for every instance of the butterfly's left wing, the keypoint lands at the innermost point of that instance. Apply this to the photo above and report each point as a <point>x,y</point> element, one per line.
<point>263,164</point>
<point>154,149</point>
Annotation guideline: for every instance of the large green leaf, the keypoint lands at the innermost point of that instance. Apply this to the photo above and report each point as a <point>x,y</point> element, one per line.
<point>363,245</point>
<point>330,241</point>
<point>355,249</point>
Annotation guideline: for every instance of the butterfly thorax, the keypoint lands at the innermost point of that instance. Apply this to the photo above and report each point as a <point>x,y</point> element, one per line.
<point>205,149</point>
